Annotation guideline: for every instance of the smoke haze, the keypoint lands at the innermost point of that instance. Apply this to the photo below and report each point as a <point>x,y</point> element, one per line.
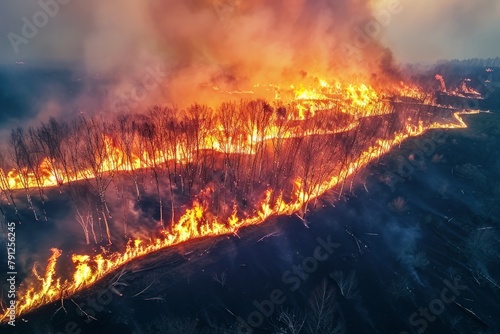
<point>229,44</point>
<point>132,54</point>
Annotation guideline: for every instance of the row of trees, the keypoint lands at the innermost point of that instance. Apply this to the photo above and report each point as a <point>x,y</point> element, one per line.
<point>228,156</point>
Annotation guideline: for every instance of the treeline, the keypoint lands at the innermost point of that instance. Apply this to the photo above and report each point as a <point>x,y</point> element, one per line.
<point>473,62</point>
<point>227,157</point>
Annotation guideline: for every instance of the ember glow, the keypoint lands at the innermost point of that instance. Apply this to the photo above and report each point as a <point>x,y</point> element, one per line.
<point>336,130</point>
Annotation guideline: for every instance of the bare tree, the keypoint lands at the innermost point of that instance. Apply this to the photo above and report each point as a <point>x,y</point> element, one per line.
<point>290,322</point>
<point>281,156</point>
<point>319,160</point>
<point>398,205</point>
<point>347,283</point>
<point>194,127</point>
<point>322,318</point>
<point>221,279</point>
<point>153,159</point>
<point>23,164</point>
<point>5,186</point>
<point>127,129</point>
<point>230,138</point>
<point>51,137</point>
<point>92,158</point>
<point>256,116</point>
<point>83,202</point>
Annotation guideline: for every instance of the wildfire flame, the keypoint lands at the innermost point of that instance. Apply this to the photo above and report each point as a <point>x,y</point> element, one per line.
<point>440,78</point>
<point>196,222</point>
<point>462,91</point>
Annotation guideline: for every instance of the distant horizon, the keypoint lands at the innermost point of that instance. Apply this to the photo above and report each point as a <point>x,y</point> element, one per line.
<point>81,63</point>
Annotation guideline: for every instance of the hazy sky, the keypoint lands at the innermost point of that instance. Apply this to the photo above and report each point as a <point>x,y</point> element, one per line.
<point>424,30</point>
<point>428,30</point>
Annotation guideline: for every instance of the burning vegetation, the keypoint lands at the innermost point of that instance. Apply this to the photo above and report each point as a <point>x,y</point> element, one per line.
<point>286,139</point>
<point>236,165</point>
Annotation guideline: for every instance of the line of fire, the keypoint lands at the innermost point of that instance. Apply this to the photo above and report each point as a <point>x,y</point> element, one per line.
<point>215,170</point>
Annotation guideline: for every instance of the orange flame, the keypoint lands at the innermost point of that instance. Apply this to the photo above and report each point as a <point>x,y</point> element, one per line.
<point>440,78</point>
<point>196,222</point>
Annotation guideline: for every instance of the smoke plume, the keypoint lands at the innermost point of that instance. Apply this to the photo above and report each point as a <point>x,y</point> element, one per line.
<point>192,46</point>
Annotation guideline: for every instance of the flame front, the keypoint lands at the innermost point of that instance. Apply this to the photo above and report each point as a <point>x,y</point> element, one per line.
<point>355,101</point>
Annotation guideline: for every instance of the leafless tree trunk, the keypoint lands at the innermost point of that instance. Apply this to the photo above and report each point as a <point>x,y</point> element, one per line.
<point>322,318</point>
<point>22,161</point>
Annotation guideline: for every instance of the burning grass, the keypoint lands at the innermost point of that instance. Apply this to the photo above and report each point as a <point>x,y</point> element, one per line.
<point>240,164</point>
